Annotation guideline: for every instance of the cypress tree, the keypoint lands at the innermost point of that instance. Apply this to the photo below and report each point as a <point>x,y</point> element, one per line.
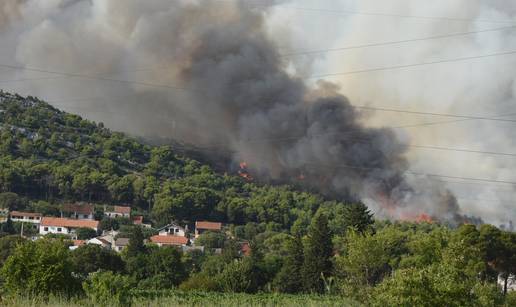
<point>318,251</point>
<point>289,278</point>
<point>135,245</point>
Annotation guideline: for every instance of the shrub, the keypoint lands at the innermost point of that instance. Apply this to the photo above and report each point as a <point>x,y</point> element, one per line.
<point>108,289</point>
<point>200,282</point>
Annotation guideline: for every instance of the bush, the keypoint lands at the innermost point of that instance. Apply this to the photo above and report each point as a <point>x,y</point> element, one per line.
<point>109,289</point>
<point>40,268</point>
<point>200,282</point>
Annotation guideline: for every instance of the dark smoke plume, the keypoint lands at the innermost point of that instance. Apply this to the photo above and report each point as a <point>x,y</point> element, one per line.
<point>232,91</point>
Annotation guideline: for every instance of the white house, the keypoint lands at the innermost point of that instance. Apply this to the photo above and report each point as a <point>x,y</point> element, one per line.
<point>118,211</point>
<point>29,217</point>
<point>78,211</point>
<point>172,229</point>
<point>121,243</point>
<point>59,225</point>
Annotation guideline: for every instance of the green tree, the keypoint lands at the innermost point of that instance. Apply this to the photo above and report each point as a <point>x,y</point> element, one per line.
<point>40,268</point>
<point>91,258</point>
<point>211,239</point>
<point>7,227</point>
<point>358,217</point>
<point>318,251</point>
<point>7,246</point>
<point>289,278</point>
<point>135,245</point>
<point>165,268</point>
<point>85,233</point>
<point>109,289</point>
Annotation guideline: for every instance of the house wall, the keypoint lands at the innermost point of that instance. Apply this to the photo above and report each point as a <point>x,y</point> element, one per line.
<point>27,219</point>
<point>116,214</point>
<point>78,216</point>
<point>175,231</point>
<point>43,230</point>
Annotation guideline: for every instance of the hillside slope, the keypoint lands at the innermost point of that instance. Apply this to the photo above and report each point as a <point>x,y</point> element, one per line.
<point>48,157</point>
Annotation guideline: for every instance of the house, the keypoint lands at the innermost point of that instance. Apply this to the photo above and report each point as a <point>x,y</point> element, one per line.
<point>169,240</point>
<point>100,242</point>
<point>29,217</point>
<point>172,229</point>
<point>121,243</point>
<point>76,244</point>
<point>78,211</point>
<point>109,236</point>
<point>203,226</point>
<point>58,225</point>
<point>138,220</point>
<point>118,211</point>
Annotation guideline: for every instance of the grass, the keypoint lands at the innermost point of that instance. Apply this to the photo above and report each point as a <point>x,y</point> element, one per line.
<point>178,298</point>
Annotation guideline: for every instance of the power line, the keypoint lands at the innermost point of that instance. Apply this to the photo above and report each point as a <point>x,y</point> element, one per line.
<point>410,65</point>
<point>469,117</point>
<point>394,42</point>
<point>377,14</point>
<point>92,77</point>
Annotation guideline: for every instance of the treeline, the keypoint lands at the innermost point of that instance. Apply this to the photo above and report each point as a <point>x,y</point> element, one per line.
<point>383,264</point>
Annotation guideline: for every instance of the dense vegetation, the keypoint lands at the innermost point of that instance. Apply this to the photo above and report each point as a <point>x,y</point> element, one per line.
<point>324,252</point>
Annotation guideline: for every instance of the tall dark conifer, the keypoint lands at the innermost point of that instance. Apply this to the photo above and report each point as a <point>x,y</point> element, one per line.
<point>318,251</point>
<point>359,217</point>
<point>289,279</point>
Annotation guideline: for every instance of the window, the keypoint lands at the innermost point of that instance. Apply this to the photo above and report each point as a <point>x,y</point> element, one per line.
<point>31,218</point>
<point>59,229</point>
<point>45,229</point>
<point>177,229</point>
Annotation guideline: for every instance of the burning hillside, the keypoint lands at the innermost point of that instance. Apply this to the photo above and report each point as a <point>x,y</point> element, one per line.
<point>220,83</point>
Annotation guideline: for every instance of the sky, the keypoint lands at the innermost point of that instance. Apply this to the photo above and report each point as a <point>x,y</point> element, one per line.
<point>480,87</point>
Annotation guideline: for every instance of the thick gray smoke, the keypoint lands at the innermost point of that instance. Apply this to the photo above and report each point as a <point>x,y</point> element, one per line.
<point>208,73</point>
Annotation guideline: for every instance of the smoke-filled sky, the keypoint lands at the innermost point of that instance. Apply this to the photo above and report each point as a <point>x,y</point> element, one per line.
<point>215,72</point>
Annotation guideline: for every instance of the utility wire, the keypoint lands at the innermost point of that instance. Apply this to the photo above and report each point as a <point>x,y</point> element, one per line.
<point>395,67</point>
<point>376,14</point>
<point>318,51</point>
<point>92,77</point>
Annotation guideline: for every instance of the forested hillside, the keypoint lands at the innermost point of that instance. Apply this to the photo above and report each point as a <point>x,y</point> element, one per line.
<point>48,157</point>
<point>293,247</point>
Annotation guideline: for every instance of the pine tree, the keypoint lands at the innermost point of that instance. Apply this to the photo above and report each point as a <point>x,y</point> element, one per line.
<point>358,217</point>
<point>318,251</point>
<point>135,245</point>
<point>289,278</point>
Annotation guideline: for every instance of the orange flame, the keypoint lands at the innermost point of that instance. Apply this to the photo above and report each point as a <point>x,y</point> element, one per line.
<point>423,217</point>
<point>244,173</point>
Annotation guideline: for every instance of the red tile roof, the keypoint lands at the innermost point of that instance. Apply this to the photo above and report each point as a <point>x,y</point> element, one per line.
<point>122,210</point>
<point>78,242</point>
<point>169,240</point>
<point>29,214</point>
<point>208,225</point>
<point>62,222</point>
<point>79,208</point>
